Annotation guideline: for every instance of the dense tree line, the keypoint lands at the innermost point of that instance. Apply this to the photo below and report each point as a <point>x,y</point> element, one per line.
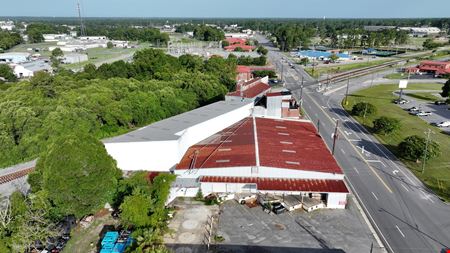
<point>9,40</point>
<point>249,61</point>
<point>291,36</point>
<point>208,33</point>
<point>6,73</point>
<point>151,35</point>
<point>183,28</point>
<point>35,31</point>
<point>106,101</point>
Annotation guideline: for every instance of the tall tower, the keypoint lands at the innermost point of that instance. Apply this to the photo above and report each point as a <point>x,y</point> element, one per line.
<point>82,28</point>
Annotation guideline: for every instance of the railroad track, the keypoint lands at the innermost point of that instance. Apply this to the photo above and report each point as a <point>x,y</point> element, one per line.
<point>358,72</point>
<point>15,175</point>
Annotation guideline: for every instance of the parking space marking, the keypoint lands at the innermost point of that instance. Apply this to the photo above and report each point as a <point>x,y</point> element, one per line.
<point>343,152</point>
<point>400,231</point>
<point>375,196</point>
<point>356,170</point>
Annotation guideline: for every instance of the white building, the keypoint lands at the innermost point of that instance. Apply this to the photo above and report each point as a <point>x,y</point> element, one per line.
<point>15,57</point>
<point>71,58</point>
<point>7,25</point>
<point>161,145</point>
<point>92,38</point>
<point>421,31</point>
<point>28,69</point>
<point>56,37</point>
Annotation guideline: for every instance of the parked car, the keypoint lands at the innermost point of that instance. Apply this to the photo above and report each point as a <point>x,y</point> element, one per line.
<point>413,109</point>
<point>440,102</point>
<point>401,101</point>
<point>422,113</point>
<point>443,124</point>
<point>244,199</point>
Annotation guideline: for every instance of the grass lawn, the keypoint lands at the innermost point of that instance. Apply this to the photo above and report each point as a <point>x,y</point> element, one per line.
<point>424,96</point>
<point>43,46</point>
<point>342,68</point>
<point>84,240</point>
<point>437,173</point>
<point>396,76</point>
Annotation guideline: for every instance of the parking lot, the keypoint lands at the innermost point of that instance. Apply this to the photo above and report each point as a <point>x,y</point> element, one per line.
<point>252,230</point>
<point>439,113</point>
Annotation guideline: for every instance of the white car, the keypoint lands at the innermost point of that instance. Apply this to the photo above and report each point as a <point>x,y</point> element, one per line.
<point>422,113</point>
<point>444,124</point>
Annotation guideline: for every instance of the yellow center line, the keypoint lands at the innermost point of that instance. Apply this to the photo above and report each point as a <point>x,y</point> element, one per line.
<point>351,144</point>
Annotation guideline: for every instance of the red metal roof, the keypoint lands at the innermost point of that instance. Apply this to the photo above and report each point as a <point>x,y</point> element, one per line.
<point>252,91</point>
<point>243,46</point>
<point>283,184</point>
<point>243,69</point>
<point>236,41</point>
<point>281,143</point>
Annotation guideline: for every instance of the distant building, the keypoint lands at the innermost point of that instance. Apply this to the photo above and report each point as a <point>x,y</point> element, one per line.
<point>322,56</point>
<point>244,73</point>
<point>74,58</point>
<point>92,38</point>
<point>55,37</point>
<point>238,35</point>
<point>377,28</point>
<point>422,31</point>
<point>434,67</point>
<point>7,25</point>
<point>238,43</point>
<point>28,69</point>
<point>15,57</point>
<point>251,90</point>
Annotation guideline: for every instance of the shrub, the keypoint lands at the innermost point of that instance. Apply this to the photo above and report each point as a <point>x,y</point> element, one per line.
<point>413,148</point>
<point>363,109</point>
<point>386,125</point>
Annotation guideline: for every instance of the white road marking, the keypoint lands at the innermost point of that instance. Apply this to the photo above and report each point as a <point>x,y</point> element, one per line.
<point>354,140</point>
<point>377,161</point>
<point>400,231</point>
<point>343,152</point>
<point>404,187</point>
<point>356,170</point>
<point>395,172</point>
<point>427,197</point>
<point>375,196</point>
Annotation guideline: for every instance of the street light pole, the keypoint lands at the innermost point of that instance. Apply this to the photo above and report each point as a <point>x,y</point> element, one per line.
<point>335,136</point>
<point>346,91</point>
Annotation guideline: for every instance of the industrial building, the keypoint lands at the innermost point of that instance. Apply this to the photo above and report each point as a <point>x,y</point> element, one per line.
<point>160,146</point>
<point>235,43</point>
<point>321,55</point>
<point>15,57</point>
<point>71,58</point>
<point>28,69</point>
<point>265,156</point>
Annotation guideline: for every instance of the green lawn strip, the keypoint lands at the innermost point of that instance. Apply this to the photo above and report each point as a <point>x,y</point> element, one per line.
<point>343,68</point>
<point>437,173</point>
<point>396,76</point>
<point>424,96</point>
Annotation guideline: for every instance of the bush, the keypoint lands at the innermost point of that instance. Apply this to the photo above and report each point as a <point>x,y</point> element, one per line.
<point>413,148</point>
<point>225,43</point>
<point>263,73</point>
<point>238,49</point>
<point>385,125</point>
<point>363,109</point>
<point>262,50</point>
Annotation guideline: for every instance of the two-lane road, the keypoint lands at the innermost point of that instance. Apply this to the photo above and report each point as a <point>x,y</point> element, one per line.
<point>407,217</point>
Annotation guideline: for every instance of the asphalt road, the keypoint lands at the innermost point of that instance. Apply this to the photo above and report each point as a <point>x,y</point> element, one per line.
<point>407,216</point>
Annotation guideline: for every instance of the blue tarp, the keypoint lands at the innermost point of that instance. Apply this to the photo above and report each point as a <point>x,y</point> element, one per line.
<point>110,238</point>
<point>319,54</point>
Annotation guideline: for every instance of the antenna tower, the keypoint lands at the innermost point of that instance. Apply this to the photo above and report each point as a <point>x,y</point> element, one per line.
<point>82,28</point>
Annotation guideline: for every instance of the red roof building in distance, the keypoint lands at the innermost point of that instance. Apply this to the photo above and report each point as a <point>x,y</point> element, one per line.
<point>274,155</point>
<point>435,67</point>
<point>235,43</point>
<point>244,73</point>
<point>250,89</point>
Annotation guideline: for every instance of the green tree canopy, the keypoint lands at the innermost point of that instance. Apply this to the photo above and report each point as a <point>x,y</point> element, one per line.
<point>446,89</point>
<point>386,125</point>
<point>363,109</point>
<point>413,148</point>
<point>78,174</point>
<point>7,73</point>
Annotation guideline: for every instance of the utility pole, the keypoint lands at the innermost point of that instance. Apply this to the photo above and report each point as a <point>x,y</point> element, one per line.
<point>346,91</point>
<point>335,136</point>
<point>82,28</point>
<point>426,150</point>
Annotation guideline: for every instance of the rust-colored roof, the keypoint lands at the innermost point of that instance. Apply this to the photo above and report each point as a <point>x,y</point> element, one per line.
<point>243,69</point>
<point>252,91</point>
<point>281,143</point>
<point>283,184</point>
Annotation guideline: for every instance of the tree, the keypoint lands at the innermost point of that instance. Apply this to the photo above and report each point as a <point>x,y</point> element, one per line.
<point>109,45</point>
<point>136,210</point>
<point>78,174</point>
<point>430,44</point>
<point>7,73</point>
<point>225,43</point>
<point>446,89</point>
<point>304,61</point>
<point>57,52</point>
<point>413,148</point>
<point>263,73</point>
<point>334,57</point>
<point>386,125</point>
<point>363,109</point>
<point>262,50</point>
